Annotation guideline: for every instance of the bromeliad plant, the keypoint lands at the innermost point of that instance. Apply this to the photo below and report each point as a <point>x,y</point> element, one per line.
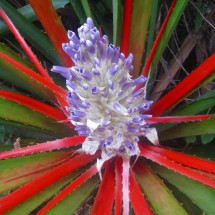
<point>106,165</point>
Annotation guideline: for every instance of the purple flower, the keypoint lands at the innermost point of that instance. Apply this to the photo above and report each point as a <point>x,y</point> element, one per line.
<point>114,116</point>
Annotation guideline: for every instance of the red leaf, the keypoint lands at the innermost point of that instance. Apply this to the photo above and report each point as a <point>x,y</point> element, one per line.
<point>56,89</point>
<point>53,27</point>
<point>126,27</point>
<point>176,167</point>
<point>173,119</point>
<point>137,198</point>
<point>118,193</point>
<point>42,147</point>
<point>76,183</point>
<point>24,45</point>
<point>185,87</point>
<point>184,159</point>
<point>45,109</point>
<point>156,43</point>
<point>42,182</point>
<point>105,196</point>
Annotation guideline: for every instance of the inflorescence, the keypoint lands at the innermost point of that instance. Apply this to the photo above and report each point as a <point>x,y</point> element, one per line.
<point>105,105</point>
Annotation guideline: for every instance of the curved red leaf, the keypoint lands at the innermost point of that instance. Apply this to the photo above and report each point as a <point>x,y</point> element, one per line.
<point>42,147</point>
<point>42,182</point>
<point>104,199</point>
<point>176,167</point>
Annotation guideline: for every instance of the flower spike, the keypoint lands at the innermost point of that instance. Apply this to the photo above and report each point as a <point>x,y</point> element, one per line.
<point>105,106</point>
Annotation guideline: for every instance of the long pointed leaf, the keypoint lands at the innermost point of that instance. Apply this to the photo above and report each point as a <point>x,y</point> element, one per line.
<point>137,198</point>
<point>105,196</point>
<point>176,167</point>
<point>185,87</point>
<point>53,27</point>
<point>188,160</point>
<point>76,183</point>
<point>43,181</point>
<point>42,147</point>
<point>160,197</point>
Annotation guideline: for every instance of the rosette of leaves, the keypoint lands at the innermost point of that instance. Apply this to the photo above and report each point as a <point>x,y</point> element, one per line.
<point>49,172</point>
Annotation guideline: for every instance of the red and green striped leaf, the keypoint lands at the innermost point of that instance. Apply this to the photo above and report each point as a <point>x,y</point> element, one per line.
<point>160,197</point>
<point>44,181</point>
<point>43,147</point>
<point>18,171</point>
<point>176,167</point>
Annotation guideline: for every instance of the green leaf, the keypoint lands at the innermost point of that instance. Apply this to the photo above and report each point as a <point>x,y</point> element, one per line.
<point>17,77</point>
<point>152,27</point>
<point>117,21</point>
<point>189,129</point>
<point>72,202</point>
<point>13,130</point>
<point>31,33</point>
<point>141,13</point>
<point>32,203</point>
<point>172,23</point>
<point>10,110</point>
<point>79,10</point>
<point>86,8</point>
<point>30,15</point>
<point>202,195</point>
<point>160,197</point>
<point>28,167</point>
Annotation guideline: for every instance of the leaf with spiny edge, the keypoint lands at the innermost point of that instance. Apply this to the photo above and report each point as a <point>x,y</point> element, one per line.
<point>10,110</point>
<point>30,32</point>
<point>189,129</point>
<point>160,197</point>
<point>202,195</point>
<point>105,196</point>
<point>42,182</point>
<point>141,12</point>
<point>72,202</point>
<point>44,147</point>
<point>18,171</point>
<point>28,206</point>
